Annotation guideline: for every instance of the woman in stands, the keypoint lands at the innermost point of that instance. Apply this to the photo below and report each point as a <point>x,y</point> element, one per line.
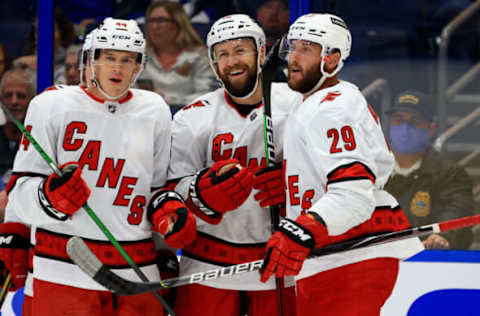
<point>177,66</point>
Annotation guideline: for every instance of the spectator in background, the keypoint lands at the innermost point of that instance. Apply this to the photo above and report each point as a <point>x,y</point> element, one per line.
<point>17,88</point>
<point>64,36</point>
<point>5,64</point>
<point>5,60</point>
<point>177,67</point>
<point>274,18</point>
<point>69,74</point>
<point>429,188</point>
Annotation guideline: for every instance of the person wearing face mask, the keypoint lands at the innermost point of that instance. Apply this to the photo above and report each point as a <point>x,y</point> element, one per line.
<point>428,186</point>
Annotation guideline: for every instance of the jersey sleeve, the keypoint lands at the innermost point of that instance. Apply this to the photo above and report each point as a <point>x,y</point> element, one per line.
<point>188,154</point>
<point>342,149</point>
<point>30,167</point>
<point>163,133</point>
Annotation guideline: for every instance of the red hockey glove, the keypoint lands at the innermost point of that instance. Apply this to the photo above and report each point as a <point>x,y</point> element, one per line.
<point>290,245</point>
<point>167,207</point>
<point>14,246</point>
<point>269,182</point>
<point>214,192</point>
<point>62,196</point>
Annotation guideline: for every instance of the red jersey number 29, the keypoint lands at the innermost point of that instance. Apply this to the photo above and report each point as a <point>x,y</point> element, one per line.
<point>347,137</point>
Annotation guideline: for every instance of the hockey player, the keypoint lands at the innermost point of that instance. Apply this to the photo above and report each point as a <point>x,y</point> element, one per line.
<point>113,145</point>
<point>336,163</point>
<point>217,145</point>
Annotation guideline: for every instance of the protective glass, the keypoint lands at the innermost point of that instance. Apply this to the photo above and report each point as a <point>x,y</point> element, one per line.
<point>301,48</point>
<point>106,59</point>
<point>235,49</point>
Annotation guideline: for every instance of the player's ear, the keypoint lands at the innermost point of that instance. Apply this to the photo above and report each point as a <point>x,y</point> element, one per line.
<point>331,61</point>
<point>262,55</point>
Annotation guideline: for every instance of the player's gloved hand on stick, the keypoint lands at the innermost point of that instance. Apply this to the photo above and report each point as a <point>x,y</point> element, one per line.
<point>62,196</point>
<point>220,189</point>
<point>291,243</point>
<point>271,186</point>
<point>14,252</point>
<point>171,218</point>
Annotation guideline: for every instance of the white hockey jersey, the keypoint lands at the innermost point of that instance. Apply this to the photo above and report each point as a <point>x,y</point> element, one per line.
<point>337,161</point>
<point>210,130</point>
<point>124,148</point>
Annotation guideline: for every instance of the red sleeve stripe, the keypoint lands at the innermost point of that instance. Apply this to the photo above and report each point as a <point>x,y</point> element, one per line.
<point>352,171</point>
<point>17,175</point>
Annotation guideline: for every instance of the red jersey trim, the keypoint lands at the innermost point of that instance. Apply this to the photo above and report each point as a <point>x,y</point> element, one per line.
<point>353,171</point>
<point>53,246</point>
<point>127,97</point>
<point>230,102</point>
<point>210,249</point>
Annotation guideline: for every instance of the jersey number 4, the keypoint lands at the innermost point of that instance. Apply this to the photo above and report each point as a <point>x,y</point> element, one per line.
<point>348,138</point>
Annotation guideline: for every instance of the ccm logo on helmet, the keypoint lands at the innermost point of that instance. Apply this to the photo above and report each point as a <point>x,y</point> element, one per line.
<point>294,229</point>
<point>338,22</point>
<point>124,37</point>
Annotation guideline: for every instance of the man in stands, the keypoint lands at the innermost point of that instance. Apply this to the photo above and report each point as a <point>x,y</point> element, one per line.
<point>336,163</point>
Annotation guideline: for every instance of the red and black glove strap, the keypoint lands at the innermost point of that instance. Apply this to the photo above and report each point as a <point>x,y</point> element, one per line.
<point>47,206</point>
<point>159,198</point>
<point>198,204</point>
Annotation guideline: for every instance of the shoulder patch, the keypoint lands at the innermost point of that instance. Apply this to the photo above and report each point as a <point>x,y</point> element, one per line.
<point>54,87</point>
<point>197,104</point>
<point>331,96</point>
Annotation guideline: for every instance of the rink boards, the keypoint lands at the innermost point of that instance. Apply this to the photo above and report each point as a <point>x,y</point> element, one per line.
<point>433,282</point>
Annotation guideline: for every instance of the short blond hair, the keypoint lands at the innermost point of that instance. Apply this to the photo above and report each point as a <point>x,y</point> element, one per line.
<point>187,38</point>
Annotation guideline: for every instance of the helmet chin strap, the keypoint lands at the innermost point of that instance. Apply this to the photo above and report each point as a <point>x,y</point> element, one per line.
<point>324,77</point>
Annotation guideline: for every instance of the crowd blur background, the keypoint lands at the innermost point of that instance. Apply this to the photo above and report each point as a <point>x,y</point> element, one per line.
<point>423,52</point>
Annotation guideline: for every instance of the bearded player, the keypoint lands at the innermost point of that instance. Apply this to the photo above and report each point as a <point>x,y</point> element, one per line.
<point>217,146</point>
<point>336,163</point>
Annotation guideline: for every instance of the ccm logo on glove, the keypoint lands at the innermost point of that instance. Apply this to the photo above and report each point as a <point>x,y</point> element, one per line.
<point>295,230</point>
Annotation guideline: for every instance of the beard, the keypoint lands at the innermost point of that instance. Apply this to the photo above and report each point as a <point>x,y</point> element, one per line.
<point>240,89</point>
<point>308,82</point>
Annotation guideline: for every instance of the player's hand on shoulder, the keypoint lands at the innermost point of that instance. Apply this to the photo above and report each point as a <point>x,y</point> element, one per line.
<point>291,243</point>
<point>270,185</point>
<point>62,196</point>
<point>14,252</point>
<point>221,188</point>
<point>172,219</point>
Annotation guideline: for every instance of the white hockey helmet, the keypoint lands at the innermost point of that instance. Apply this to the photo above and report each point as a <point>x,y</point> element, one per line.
<point>328,30</point>
<point>233,27</point>
<point>116,34</point>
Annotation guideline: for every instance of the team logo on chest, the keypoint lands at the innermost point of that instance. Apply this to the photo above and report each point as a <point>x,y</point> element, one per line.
<point>420,204</point>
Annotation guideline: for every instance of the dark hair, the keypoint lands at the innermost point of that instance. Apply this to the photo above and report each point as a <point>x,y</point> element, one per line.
<point>67,32</point>
<point>7,57</point>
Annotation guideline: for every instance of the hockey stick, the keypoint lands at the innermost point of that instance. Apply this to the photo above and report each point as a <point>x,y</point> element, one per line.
<point>86,207</point>
<point>5,287</point>
<point>268,71</point>
<point>88,262</point>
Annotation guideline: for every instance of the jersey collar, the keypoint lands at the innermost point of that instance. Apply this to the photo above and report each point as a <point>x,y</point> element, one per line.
<point>236,106</point>
<point>125,99</point>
